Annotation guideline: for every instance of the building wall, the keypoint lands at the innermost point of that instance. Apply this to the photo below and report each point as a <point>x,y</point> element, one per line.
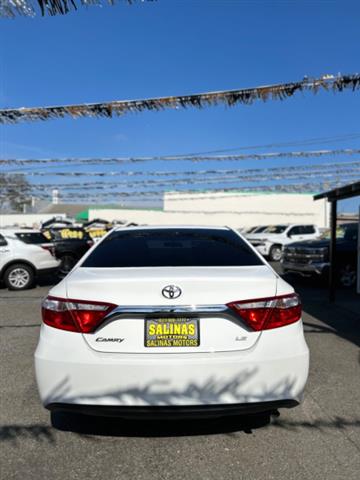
<point>248,209</point>
<point>26,219</point>
<point>235,211</point>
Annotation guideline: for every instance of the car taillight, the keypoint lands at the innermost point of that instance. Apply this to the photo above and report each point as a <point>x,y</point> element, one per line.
<point>49,248</point>
<point>267,313</point>
<point>74,315</point>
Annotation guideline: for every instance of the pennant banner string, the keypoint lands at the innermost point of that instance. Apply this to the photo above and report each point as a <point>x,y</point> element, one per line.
<point>216,158</point>
<point>12,8</point>
<point>353,173</point>
<point>230,98</point>
<point>193,173</point>
<point>194,195</point>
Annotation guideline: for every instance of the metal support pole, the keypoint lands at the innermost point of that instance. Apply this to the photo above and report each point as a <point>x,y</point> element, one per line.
<point>332,253</point>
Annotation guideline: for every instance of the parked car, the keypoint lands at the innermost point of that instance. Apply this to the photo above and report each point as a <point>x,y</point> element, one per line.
<point>97,228</point>
<point>24,256</point>
<point>70,245</point>
<point>271,241</point>
<point>312,257</point>
<point>170,321</point>
<point>257,229</point>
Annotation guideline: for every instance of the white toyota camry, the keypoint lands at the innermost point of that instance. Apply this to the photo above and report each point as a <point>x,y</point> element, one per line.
<point>171,320</point>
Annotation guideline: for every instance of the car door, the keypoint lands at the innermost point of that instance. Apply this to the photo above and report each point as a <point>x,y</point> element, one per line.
<point>5,251</point>
<point>295,233</point>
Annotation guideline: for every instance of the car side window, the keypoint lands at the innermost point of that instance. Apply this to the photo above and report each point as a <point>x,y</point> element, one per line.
<point>3,242</point>
<point>294,231</point>
<point>308,229</point>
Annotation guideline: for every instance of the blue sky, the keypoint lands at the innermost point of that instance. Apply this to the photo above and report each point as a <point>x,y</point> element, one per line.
<point>179,47</point>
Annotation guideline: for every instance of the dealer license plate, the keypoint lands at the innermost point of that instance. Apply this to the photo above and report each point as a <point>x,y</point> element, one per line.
<point>172,332</point>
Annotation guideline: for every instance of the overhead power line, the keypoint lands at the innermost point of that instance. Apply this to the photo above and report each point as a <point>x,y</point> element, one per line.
<point>292,143</point>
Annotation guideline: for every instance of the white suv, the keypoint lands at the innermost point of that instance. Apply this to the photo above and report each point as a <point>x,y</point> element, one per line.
<point>270,242</point>
<point>24,255</point>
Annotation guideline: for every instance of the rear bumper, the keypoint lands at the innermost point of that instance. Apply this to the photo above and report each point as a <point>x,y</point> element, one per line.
<point>47,271</point>
<point>71,373</point>
<point>263,249</point>
<point>173,412</point>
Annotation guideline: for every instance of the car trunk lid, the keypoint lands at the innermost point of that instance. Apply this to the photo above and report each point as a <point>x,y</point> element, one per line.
<point>145,319</point>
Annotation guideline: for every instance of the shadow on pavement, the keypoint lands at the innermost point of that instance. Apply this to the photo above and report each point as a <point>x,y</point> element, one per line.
<point>38,432</point>
<point>90,426</point>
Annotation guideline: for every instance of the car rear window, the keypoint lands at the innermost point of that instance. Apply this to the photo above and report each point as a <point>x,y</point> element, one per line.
<point>172,248</point>
<point>32,237</point>
<point>3,242</point>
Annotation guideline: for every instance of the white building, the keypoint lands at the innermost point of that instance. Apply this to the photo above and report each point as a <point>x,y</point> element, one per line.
<point>235,209</point>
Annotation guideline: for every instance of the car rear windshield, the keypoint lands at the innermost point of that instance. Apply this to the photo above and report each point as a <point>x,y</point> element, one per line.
<point>172,248</point>
<point>32,237</point>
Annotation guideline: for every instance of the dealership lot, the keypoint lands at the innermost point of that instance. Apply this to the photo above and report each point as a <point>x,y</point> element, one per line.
<point>321,438</point>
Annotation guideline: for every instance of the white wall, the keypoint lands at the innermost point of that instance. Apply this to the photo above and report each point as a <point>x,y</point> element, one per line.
<point>248,209</point>
<point>26,219</point>
<point>221,209</point>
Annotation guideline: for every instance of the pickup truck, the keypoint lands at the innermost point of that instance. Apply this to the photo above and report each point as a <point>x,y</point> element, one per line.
<point>311,258</point>
<point>271,241</point>
<point>70,244</point>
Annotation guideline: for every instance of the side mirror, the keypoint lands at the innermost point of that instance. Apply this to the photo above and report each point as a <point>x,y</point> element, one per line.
<point>289,234</point>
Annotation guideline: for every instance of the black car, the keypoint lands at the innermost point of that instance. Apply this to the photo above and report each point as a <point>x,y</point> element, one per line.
<point>70,244</point>
<point>312,257</point>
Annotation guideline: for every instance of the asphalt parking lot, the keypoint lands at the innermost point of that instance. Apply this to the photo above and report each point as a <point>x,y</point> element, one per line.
<point>319,439</point>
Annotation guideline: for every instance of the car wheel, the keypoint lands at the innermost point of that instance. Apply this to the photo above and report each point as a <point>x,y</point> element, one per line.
<point>347,275</point>
<point>19,277</point>
<point>67,263</point>
<point>275,253</point>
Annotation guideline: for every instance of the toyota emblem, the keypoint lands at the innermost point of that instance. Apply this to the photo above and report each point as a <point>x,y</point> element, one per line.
<point>171,291</point>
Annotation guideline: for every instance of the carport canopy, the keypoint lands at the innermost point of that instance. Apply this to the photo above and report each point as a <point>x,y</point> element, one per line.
<point>340,193</point>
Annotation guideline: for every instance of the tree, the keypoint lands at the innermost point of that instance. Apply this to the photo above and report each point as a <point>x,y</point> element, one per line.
<point>14,191</point>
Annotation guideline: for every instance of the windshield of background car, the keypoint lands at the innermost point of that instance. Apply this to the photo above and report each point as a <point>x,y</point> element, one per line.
<point>67,234</point>
<point>348,232</point>
<point>259,229</point>
<point>276,229</point>
<point>34,238</point>
<point>172,248</point>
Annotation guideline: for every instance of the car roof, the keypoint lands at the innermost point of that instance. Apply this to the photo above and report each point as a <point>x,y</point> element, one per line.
<point>171,227</point>
<point>18,230</point>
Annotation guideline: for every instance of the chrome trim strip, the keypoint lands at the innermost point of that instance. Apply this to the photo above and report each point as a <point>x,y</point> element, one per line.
<point>169,309</point>
<point>139,311</point>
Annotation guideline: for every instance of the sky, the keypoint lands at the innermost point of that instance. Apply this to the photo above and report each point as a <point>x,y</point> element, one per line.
<point>173,47</point>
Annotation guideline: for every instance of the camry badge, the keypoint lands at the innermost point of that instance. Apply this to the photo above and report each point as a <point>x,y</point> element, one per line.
<point>171,291</point>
